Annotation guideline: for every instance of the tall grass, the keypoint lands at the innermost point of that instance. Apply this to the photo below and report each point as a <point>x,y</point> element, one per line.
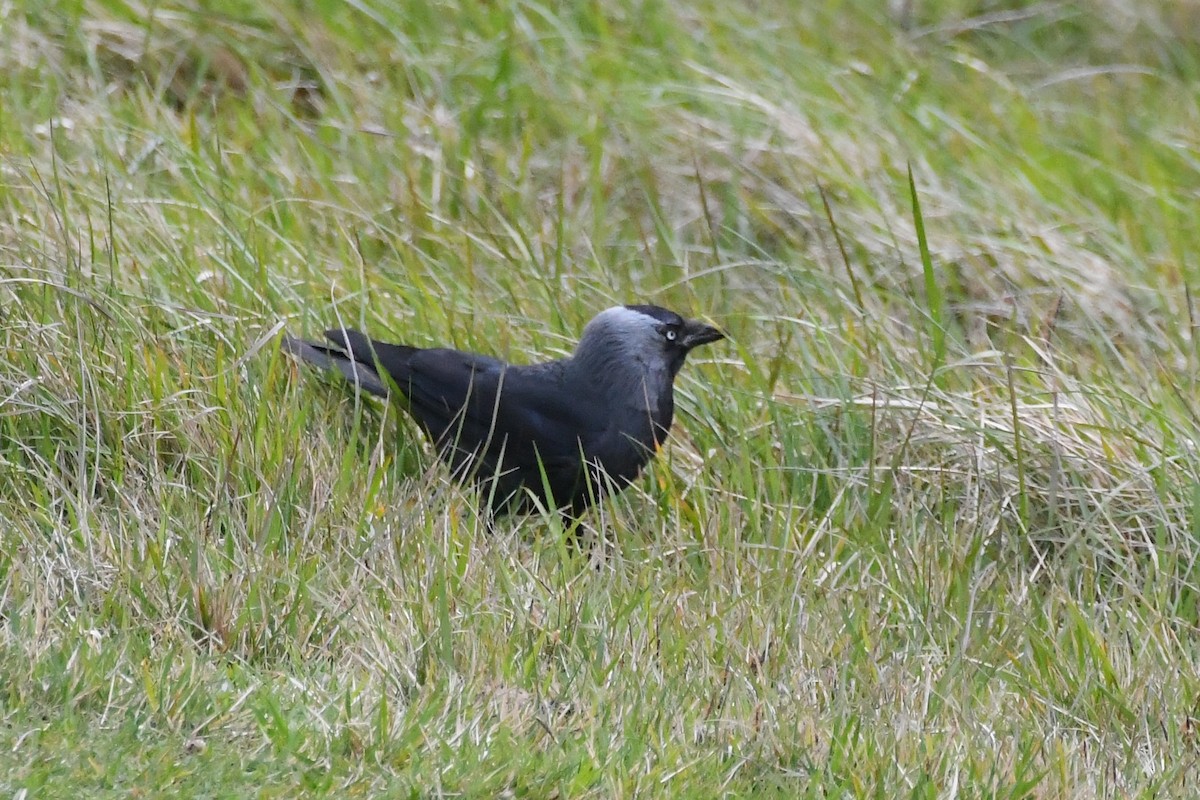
<point>927,522</point>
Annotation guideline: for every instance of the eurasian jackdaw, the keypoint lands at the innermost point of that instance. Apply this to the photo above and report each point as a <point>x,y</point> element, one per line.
<point>560,434</point>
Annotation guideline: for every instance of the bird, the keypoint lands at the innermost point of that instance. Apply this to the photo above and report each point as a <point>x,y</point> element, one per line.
<point>557,435</point>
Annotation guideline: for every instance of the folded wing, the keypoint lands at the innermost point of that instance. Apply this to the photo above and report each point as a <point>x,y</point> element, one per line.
<point>499,424</point>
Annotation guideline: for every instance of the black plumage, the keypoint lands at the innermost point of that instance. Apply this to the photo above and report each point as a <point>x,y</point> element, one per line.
<point>561,433</point>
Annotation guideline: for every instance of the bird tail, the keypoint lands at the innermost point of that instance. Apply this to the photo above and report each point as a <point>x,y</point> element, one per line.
<point>352,354</point>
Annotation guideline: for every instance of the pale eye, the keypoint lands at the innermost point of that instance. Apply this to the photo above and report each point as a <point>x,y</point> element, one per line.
<point>671,336</point>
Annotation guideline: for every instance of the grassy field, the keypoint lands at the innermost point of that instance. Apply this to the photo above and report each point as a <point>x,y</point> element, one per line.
<point>929,523</point>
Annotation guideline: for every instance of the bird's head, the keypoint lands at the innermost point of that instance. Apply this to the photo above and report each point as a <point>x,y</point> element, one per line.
<point>652,336</point>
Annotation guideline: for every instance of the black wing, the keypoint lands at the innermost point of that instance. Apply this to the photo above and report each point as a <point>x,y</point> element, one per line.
<point>513,417</point>
<point>518,425</point>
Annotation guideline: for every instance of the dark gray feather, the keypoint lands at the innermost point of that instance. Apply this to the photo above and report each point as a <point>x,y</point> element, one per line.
<point>557,434</point>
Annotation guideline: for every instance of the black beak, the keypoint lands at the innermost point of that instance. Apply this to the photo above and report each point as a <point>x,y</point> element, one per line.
<point>696,333</point>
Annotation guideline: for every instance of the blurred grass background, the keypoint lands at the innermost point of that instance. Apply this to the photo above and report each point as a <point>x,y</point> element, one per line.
<point>927,525</point>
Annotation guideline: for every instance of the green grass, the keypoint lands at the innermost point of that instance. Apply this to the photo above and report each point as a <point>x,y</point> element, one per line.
<point>928,523</point>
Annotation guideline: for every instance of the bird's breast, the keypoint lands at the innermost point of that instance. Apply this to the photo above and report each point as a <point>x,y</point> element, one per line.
<point>639,426</point>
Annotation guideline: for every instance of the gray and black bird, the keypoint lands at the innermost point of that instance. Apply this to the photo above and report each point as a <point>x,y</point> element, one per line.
<point>560,434</point>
